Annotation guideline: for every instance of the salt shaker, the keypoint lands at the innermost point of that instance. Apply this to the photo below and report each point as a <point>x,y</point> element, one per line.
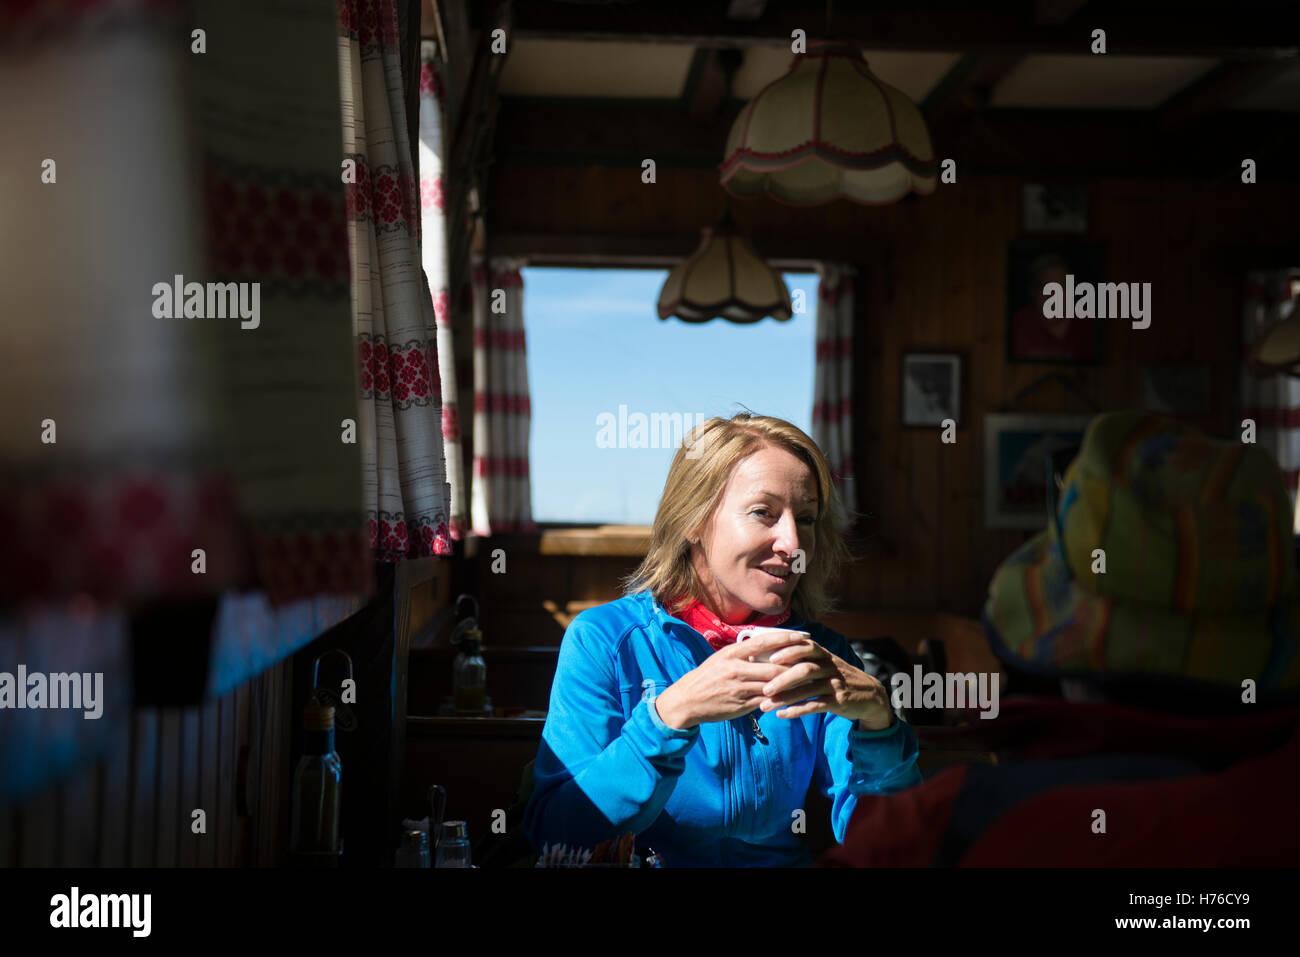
<point>453,845</point>
<point>414,851</point>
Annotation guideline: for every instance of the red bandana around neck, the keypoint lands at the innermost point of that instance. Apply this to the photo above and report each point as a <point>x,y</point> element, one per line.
<point>717,632</point>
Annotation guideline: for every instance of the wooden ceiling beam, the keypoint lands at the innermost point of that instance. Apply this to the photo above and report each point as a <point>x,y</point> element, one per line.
<point>1119,143</point>
<point>590,129</point>
<point>1221,87</point>
<point>745,9</point>
<point>460,54</point>
<point>708,82</point>
<point>1255,31</point>
<point>706,85</point>
<point>969,83</point>
<point>431,25</point>
<point>1079,143</point>
<point>628,249</point>
<point>1054,12</point>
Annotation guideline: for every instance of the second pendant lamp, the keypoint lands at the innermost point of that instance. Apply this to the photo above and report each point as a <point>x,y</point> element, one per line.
<point>724,278</point>
<point>1277,350</point>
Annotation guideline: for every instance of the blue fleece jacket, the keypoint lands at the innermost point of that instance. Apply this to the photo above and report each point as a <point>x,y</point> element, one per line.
<point>713,795</point>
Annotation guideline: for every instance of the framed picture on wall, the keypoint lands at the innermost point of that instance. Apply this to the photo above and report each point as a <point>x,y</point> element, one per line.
<point>1045,281</point>
<point>931,388</point>
<point>1021,455</point>
<point>1054,208</point>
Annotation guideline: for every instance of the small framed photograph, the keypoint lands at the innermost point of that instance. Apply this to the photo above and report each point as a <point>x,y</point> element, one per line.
<point>1022,454</point>
<point>1054,208</point>
<point>931,387</point>
<point>1041,276</point>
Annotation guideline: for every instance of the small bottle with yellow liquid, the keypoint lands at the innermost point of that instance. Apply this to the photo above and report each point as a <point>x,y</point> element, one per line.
<point>469,670</point>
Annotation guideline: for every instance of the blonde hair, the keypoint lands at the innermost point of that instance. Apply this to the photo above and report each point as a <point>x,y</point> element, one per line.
<point>693,490</point>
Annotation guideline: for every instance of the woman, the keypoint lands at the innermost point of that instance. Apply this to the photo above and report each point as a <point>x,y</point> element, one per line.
<point>661,723</point>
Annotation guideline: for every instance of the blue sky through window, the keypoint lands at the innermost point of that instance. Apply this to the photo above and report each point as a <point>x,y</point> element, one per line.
<point>595,342</point>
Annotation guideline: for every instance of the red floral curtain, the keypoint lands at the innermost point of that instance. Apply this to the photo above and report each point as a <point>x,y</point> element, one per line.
<point>832,418</point>
<point>433,229</point>
<point>404,476</point>
<point>150,451</point>
<point>502,493</point>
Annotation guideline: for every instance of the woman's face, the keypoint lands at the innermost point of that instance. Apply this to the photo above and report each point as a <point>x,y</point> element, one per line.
<point>767,513</point>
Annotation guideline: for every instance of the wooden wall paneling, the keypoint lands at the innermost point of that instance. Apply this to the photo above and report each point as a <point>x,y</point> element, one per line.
<point>190,773</point>
<point>283,765</point>
<point>79,818</point>
<point>940,282</point>
<point>553,580</point>
<point>497,588</point>
<point>973,582</point>
<point>586,183</point>
<point>523,624</point>
<point>708,201</point>
<point>559,200</point>
<point>932,302</point>
<point>224,761</point>
<point>267,688</point>
<point>143,841</point>
<point>209,770</point>
<point>963,480</point>
<point>428,596</point>
<point>528,576</point>
<point>38,829</point>
<point>479,766</point>
<point>895,455</point>
<point>239,753</point>
<point>133,808</point>
<point>874,474</point>
<point>929,532</point>
<point>258,714</point>
<point>861,585</point>
<point>115,800</point>
<point>597,579</point>
<point>984,372</point>
<point>169,814</point>
<point>8,836</point>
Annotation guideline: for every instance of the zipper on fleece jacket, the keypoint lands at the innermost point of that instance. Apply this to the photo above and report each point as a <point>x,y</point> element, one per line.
<point>731,821</point>
<point>734,800</point>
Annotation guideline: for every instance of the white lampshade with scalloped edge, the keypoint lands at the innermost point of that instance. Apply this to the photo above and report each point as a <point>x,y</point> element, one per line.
<point>724,278</point>
<point>829,129</point>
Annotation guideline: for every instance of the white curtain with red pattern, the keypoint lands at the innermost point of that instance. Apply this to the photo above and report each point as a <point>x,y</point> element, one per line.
<point>502,493</point>
<point>406,494</point>
<point>433,230</point>
<point>832,417</point>
<point>1272,401</point>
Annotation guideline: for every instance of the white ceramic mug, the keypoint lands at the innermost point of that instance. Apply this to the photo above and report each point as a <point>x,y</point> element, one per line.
<point>755,632</point>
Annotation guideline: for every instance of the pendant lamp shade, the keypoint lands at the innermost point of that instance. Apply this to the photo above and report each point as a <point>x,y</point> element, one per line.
<point>1278,349</point>
<point>829,129</point>
<point>724,278</point>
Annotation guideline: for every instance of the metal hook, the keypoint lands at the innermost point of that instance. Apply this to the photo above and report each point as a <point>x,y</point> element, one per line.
<point>315,669</point>
<point>472,599</point>
<point>344,718</point>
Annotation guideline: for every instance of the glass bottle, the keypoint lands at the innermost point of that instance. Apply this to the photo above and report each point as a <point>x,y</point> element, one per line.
<point>317,793</point>
<point>469,675</point>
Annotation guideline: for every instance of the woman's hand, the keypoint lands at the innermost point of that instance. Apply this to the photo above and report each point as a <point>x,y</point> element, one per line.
<point>726,686</point>
<point>832,683</point>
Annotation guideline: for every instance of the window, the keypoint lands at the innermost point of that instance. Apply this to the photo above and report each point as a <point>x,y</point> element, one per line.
<point>614,388</point>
